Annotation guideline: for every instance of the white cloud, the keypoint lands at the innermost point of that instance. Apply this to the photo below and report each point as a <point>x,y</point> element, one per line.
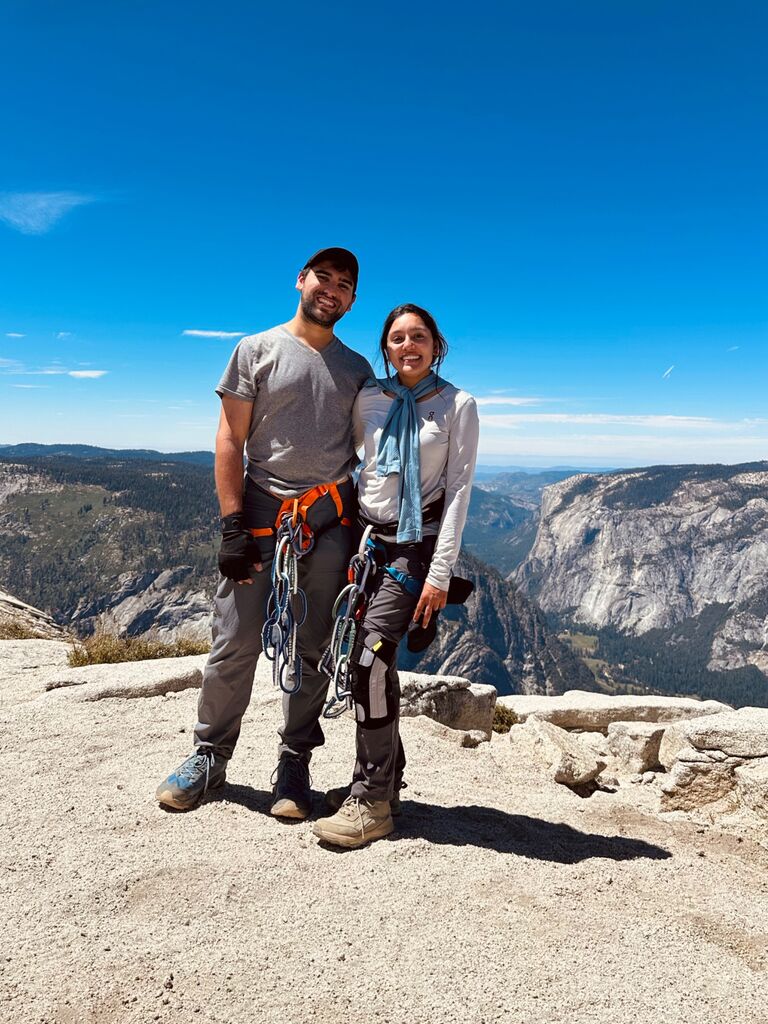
<point>34,213</point>
<point>11,366</point>
<point>667,372</point>
<point>495,399</point>
<point>62,335</point>
<point>620,449</point>
<point>194,333</point>
<point>511,421</point>
<point>14,334</point>
<point>628,439</point>
<point>87,373</point>
<point>31,387</point>
<point>733,348</point>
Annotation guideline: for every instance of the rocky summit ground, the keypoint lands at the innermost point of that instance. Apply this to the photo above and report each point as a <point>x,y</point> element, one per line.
<point>501,897</point>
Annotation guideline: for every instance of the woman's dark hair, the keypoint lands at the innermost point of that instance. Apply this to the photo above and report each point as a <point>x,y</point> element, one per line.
<point>429,322</point>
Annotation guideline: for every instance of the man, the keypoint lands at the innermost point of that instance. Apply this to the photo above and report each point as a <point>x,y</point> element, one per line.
<point>286,398</point>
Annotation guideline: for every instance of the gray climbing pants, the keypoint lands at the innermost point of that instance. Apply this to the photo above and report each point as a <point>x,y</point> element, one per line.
<point>239,611</point>
<point>380,759</point>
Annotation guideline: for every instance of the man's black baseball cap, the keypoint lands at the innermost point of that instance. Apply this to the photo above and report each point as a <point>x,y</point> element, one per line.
<point>339,257</point>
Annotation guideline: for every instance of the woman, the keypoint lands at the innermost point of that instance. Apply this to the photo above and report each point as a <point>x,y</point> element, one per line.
<point>420,441</point>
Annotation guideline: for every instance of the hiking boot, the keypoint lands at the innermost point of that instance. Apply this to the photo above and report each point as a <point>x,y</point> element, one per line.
<point>334,798</point>
<point>204,770</point>
<point>355,823</point>
<point>291,795</point>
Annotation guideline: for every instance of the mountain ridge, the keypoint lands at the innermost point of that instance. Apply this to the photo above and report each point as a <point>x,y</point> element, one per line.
<point>648,552</point>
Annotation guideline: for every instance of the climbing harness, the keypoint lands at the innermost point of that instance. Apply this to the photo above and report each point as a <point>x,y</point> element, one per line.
<point>431,513</point>
<point>287,602</point>
<point>351,604</point>
<point>348,612</point>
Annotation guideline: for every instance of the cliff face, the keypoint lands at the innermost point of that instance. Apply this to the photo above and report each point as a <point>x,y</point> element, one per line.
<point>648,549</point>
<point>500,637</point>
<point>165,602</point>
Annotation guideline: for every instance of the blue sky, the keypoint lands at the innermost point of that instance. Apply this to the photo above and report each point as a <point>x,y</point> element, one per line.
<point>577,191</point>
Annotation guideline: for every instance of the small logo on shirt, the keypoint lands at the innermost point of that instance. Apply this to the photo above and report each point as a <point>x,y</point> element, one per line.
<point>431,416</point>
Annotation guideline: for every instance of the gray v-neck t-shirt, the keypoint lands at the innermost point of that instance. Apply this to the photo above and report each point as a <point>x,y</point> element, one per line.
<point>301,425</point>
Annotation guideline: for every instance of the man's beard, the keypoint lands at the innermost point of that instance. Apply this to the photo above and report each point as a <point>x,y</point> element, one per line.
<point>321,317</point>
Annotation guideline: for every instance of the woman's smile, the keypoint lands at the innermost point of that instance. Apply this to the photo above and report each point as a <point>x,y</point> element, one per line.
<point>411,348</point>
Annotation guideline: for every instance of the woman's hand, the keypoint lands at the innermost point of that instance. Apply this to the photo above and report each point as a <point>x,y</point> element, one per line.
<point>430,601</point>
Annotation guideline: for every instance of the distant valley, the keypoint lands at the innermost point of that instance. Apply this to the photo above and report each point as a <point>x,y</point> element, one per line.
<point>128,544</point>
<point>649,580</point>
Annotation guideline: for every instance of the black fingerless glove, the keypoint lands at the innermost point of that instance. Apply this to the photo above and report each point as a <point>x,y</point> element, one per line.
<point>239,551</point>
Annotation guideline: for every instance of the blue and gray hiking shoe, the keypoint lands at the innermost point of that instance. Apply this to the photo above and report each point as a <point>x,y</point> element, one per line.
<point>204,770</point>
<point>291,793</point>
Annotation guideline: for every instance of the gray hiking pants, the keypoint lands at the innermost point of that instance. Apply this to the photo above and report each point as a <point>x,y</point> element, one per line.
<point>380,759</point>
<point>239,611</point>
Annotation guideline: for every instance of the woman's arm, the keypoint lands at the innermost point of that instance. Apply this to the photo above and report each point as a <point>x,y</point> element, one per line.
<point>460,469</point>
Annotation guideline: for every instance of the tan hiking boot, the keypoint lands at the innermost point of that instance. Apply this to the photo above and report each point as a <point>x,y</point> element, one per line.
<point>334,798</point>
<point>355,823</point>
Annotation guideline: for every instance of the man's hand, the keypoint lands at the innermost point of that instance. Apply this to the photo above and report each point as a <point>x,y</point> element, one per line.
<point>430,601</point>
<point>239,553</point>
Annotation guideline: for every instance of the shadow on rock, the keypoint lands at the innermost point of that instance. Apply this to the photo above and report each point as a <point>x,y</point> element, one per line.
<point>491,829</point>
<point>258,800</point>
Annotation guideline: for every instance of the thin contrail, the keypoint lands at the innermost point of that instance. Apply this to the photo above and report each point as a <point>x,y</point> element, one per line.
<point>667,372</point>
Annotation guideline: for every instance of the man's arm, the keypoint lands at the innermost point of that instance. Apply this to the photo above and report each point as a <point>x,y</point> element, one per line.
<point>234,424</point>
<point>239,553</point>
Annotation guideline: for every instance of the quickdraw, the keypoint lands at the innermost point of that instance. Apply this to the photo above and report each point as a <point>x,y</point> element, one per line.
<point>287,602</point>
<point>348,611</point>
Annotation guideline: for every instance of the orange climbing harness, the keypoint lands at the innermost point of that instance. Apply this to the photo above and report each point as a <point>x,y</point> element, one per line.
<point>297,509</point>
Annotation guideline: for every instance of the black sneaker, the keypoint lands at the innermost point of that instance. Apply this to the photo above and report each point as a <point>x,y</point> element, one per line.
<point>291,793</point>
<point>204,770</point>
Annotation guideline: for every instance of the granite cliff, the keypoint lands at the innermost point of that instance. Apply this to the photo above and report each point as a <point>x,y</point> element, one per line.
<point>500,637</point>
<point>660,549</point>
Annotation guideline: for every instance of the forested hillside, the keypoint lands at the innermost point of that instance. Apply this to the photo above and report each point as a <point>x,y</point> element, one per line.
<point>79,523</point>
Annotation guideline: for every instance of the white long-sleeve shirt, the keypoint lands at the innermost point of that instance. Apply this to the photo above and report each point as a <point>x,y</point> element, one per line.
<point>448,435</point>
